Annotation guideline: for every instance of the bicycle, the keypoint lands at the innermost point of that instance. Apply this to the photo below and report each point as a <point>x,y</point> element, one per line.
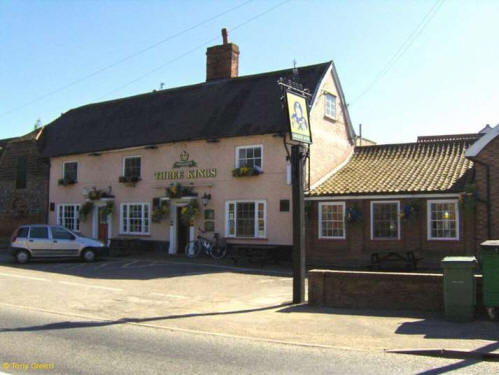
<point>216,248</point>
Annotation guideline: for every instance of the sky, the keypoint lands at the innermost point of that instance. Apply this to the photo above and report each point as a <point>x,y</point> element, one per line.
<point>407,67</point>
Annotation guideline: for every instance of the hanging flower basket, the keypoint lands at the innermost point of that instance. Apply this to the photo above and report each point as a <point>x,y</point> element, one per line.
<point>160,212</point>
<point>411,210</point>
<point>96,194</point>
<point>66,181</point>
<point>107,210</point>
<point>353,215</point>
<point>85,209</point>
<point>245,171</point>
<point>178,191</point>
<point>189,213</point>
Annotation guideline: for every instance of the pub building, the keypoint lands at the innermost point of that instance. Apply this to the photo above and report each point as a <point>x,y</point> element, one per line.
<point>211,157</point>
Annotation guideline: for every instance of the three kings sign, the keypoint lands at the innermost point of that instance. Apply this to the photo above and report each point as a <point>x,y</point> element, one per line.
<point>299,122</point>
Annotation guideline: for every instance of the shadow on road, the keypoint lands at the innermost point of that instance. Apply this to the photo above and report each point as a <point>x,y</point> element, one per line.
<point>432,328</point>
<point>90,324</point>
<point>468,359</point>
<point>139,269</point>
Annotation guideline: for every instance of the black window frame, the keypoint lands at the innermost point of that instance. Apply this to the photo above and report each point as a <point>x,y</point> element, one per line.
<point>133,168</point>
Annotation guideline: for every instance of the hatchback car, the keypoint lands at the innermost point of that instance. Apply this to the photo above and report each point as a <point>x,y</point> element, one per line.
<point>53,241</point>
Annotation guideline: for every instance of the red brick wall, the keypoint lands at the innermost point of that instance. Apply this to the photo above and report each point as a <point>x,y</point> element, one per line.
<point>380,290</point>
<point>356,249</point>
<point>490,156</point>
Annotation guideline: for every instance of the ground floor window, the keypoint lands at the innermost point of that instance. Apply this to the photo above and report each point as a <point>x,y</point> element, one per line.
<point>385,220</point>
<point>332,220</point>
<point>443,220</point>
<point>245,219</point>
<point>68,216</point>
<point>134,218</point>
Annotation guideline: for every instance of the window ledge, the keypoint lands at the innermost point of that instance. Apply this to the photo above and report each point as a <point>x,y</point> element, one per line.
<point>330,118</point>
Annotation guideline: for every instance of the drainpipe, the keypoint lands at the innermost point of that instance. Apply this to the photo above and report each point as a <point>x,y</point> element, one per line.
<point>487,201</point>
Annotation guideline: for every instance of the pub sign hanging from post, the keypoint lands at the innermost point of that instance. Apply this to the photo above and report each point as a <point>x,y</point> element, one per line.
<point>299,122</point>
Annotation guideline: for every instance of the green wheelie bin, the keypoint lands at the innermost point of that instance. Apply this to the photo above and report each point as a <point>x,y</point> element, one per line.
<point>459,288</point>
<point>489,262</point>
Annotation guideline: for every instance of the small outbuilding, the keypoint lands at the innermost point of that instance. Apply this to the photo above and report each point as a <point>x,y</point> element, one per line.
<point>431,198</point>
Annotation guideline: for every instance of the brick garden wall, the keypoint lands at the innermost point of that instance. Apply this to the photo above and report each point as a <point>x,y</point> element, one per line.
<point>355,250</point>
<point>22,206</point>
<point>379,290</point>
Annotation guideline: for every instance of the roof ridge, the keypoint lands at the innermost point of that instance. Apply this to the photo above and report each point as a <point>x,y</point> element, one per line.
<point>199,84</point>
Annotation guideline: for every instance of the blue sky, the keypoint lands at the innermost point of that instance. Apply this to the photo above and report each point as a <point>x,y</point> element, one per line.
<point>446,81</point>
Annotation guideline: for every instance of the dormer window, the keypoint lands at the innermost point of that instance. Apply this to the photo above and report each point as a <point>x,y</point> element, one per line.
<point>330,105</point>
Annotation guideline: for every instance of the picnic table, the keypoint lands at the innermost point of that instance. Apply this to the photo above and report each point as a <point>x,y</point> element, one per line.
<point>255,253</point>
<point>408,258</point>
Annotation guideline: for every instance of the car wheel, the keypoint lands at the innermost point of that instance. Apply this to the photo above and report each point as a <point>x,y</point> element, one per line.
<point>22,256</point>
<point>88,255</point>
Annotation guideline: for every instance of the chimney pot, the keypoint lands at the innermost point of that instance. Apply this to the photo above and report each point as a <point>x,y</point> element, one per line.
<point>225,36</point>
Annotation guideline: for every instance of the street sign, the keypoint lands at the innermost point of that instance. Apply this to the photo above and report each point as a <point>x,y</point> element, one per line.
<point>299,122</point>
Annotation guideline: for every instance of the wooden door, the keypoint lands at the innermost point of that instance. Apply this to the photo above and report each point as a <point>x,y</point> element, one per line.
<point>102,227</point>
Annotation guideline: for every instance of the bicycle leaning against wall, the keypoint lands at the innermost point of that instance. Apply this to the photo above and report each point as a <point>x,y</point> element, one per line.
<point>216,248</point>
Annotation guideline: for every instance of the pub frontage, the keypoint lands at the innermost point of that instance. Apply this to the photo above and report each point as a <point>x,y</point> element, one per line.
<point>208,158</point>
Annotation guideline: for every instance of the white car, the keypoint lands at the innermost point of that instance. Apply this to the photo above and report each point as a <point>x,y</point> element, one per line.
<point>53,241</point>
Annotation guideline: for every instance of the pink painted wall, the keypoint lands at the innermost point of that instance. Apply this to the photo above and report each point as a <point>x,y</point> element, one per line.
<point>104,170</point>
<point>331,145</point>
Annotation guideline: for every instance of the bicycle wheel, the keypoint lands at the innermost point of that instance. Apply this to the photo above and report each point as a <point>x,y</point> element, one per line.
<point>218,252</point>
<point>196,249</point>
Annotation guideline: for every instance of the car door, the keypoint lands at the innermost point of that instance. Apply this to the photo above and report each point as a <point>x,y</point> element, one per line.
<point>63,242</point>
<point>39,242</point>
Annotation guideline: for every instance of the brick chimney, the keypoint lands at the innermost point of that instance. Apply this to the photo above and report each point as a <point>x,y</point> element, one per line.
<point>222,61</point>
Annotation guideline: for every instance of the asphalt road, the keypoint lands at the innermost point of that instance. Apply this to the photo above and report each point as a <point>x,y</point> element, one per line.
<point>75,346</point>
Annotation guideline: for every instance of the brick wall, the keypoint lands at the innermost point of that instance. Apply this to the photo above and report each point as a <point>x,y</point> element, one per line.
<point>379,290</point>
<point>356,248</point>
<point>490,156</point>
<point>22,206</point>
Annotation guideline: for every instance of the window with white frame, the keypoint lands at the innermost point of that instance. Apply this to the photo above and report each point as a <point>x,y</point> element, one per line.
<point>68,216</point>
<point>332,220</point>
<point>385,220</point>
<point>70,171</point>
<point>249,156</point>
<point>132,166</point>
<point>134,218</point>
<point>443,220</point>
<point>330,105</point>
<point>245,219</point>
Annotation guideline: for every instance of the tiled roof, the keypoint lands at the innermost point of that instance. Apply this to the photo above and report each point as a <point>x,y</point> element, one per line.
<point>247,105</point>
<point>421,167</point>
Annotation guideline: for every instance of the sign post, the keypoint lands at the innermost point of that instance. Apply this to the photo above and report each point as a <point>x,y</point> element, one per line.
<point>300,133</point>
<point>297,156</point>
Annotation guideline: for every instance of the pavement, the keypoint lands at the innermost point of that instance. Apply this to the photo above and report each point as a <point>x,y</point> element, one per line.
<point>204,297</point>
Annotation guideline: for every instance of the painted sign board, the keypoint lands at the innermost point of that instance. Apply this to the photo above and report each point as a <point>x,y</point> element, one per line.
<point>184,169</point>
<point>299,122</point>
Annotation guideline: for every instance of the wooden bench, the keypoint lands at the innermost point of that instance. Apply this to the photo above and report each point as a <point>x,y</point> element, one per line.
<point>408,258</point>
<point>255,253</point>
